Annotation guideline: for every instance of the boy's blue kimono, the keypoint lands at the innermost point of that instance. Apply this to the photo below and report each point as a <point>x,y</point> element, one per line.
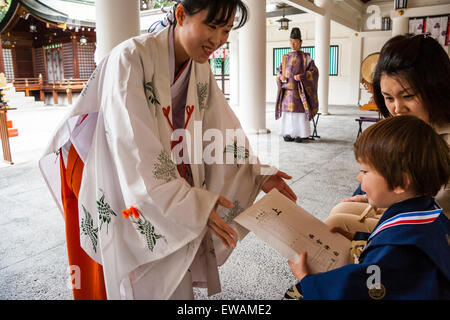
<point>411,247</point>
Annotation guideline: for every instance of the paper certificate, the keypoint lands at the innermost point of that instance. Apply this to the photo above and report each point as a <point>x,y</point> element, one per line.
<point>291,230</point>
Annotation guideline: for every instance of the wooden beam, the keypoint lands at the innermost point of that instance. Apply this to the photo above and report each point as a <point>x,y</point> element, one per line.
<point>347,20</point>
<point>305,5</point>
<point>351,22</point>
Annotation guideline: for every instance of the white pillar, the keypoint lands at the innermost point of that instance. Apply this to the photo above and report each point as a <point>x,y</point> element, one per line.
<point>322,54</point>
<point>400,26</point>
<point>116,21</point>
<point>355,69</point>
<point>252,69</point>
<point>234,70</point>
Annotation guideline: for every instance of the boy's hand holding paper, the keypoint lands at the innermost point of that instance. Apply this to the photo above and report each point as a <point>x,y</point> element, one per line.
<point>291,230</point>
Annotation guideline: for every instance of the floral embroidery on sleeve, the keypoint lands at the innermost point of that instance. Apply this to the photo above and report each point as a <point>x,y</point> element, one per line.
<point>202,90</point>
<point>87,228</point>
<point>152,97</point>
<point>143,226</point>
<point>104,212</point>
<point>239,152</point>
<point>164,169</point>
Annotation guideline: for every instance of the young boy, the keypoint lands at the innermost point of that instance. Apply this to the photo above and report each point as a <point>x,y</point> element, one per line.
<point>404,163</point>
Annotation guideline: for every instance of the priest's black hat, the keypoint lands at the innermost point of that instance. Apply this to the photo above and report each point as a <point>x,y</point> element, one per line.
<point>296,34</point>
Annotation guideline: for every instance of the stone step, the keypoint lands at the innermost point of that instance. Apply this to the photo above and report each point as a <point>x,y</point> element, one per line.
<point>27,106</point>
<point>19,99</point>
<point>24,102</point>
<point>14,94</point>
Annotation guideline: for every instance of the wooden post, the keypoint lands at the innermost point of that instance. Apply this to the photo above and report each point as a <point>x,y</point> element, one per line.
<point>55,95</point>
<point>4,136</point>
<point>76,64</point>
<point>69,95</point>
<point>41,91</point>
<point>27,92</point>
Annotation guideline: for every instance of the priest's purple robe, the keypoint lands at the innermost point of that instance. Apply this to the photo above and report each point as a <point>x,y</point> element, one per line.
<point>297,96</point>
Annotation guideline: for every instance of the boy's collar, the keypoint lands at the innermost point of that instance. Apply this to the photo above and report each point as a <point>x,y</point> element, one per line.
<point>420,203</point>
<point>417,210</point>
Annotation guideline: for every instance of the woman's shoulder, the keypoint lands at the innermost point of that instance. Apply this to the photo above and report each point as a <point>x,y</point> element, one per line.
<point>143,44</point>
<point>134,44</point>
<point>136,53</point>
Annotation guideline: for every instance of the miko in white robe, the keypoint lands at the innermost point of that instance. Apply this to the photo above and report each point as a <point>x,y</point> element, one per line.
<point>126,146</point>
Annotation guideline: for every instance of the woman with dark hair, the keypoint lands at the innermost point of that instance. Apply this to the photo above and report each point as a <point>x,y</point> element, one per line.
<point>144,202</point>
<point>411,78</point>
<point>420,68</point>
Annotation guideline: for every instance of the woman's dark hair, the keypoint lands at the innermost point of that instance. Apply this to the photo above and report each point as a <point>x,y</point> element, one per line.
<point>422,63</point>
<point>219,11</point>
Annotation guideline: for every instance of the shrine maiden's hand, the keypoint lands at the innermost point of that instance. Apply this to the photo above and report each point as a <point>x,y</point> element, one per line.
<point>300,269</point>
<point>297,77</point>
<point>276,181</point>
<point>220,227</point>
<point>283,78</point>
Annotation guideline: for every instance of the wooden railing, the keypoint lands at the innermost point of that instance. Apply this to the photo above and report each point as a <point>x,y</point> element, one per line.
<point>74,84</point>
<point>38,84</point>
<point>27,84</point>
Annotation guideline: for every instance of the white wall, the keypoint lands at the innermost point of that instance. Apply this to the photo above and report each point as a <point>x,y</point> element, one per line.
<point>372,42</point>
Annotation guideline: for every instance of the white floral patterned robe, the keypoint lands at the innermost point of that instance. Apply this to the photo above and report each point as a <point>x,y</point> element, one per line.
<point>128,164</point>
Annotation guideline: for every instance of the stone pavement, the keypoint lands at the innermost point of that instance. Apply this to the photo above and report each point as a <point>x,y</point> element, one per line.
<point>33,257</point>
